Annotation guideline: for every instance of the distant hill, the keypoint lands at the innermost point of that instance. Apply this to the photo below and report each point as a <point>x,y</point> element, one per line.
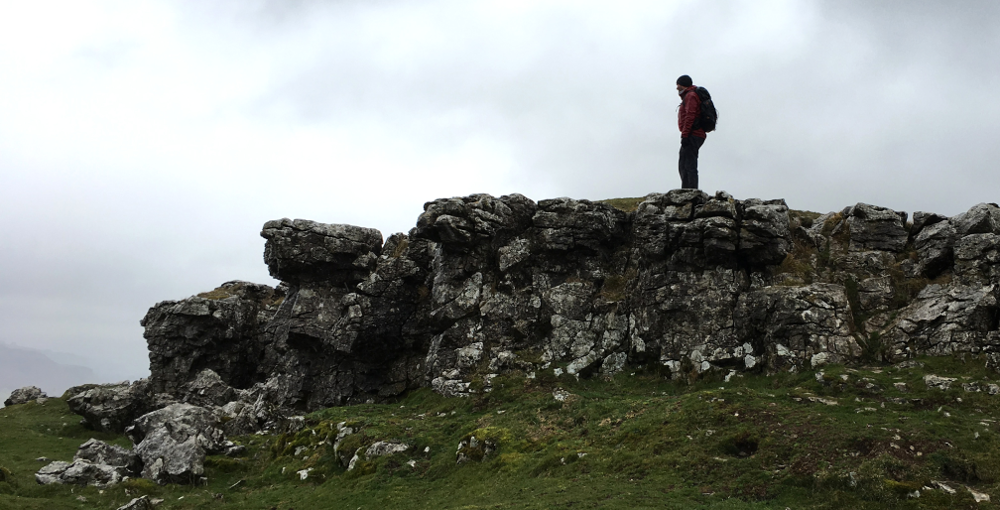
<point>27,367</point>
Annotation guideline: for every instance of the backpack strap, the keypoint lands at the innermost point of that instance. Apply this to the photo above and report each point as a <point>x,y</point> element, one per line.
<point>697,118</point>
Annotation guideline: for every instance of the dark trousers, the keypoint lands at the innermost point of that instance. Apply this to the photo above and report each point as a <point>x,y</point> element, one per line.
<point>688,164</point>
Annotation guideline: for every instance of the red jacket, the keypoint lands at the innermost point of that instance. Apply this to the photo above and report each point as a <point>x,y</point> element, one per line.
<point>688,112</point>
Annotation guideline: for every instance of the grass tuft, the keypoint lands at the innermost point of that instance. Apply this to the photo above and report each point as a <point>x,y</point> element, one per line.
<point>624,204</point>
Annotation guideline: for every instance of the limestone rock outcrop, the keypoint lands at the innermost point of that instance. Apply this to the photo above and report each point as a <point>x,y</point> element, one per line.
<point>485,285</point>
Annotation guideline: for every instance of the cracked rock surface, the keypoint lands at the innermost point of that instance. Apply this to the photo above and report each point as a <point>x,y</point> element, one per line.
<point>485,286</point>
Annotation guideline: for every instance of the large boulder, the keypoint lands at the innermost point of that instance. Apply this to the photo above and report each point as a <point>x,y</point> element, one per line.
<point>795,326</point>
<point>172,442</point>
<point>301,251</point>
<point>220,330</point>
<point>99,452</point>
<point>934,245</point>
<point>980,219</point>
<point>977,259</point>
<point>24,395</point>
<point>266,407</point>
<point>465,221</point>
<point>113,407</point>
<point>765,238</point>
<point>678,317</point>
<point>923,219</point>
<point>207,389</point>
<point>690,229</point>
<point>339,335</point>
<point>876,228</point>
<point>79,472</point>
<point>95,463</point>
<point>565,224</point>
<point>944,319</point>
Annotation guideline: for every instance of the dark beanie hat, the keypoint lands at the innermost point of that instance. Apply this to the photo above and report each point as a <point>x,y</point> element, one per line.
<point>684,80</point>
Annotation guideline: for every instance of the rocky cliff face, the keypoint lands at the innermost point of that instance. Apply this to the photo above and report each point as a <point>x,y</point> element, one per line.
<point>685,283</point>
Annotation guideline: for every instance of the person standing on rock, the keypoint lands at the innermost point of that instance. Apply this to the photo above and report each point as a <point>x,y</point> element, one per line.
<point>692,136</point>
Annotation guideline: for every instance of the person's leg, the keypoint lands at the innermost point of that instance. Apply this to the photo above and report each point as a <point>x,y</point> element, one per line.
<point>684,163</point>
<point>696,144</point>
<point>688,162</point>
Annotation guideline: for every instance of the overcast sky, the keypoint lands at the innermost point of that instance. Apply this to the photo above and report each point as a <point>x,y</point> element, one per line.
<point>144,143</point>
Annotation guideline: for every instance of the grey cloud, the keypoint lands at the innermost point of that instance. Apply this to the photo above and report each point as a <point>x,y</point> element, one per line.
<point>863,106</point>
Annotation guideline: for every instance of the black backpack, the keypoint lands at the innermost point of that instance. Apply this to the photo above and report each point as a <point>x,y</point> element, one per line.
<point>708,116</point>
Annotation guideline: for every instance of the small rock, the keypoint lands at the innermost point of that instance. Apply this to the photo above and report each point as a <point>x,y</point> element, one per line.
<point>140,503</point>
<point>474,449</point>
<point>24,395</point>
<point>377,449</point>
<point>978,496</point>
<point>561,394</point>
<point>937,382</point>
<point>827,401</point>
<point>111,407</point>
<point>820,358</point>
<point>942,486</point>
<point>384,448</point>
<point>303,474</point>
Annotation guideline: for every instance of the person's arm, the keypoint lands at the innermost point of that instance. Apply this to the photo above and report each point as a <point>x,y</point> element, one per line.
<point>689,113</point>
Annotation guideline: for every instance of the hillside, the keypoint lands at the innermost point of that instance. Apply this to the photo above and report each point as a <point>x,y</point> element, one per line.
<point>862,437</point>
<point>676,349</point>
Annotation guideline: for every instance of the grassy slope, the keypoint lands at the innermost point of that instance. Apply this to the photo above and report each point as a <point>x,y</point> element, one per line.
<point>753,443</point>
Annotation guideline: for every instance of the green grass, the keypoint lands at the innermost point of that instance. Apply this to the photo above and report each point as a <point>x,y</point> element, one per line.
<point>628,204</point>
<point>756,442</point>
